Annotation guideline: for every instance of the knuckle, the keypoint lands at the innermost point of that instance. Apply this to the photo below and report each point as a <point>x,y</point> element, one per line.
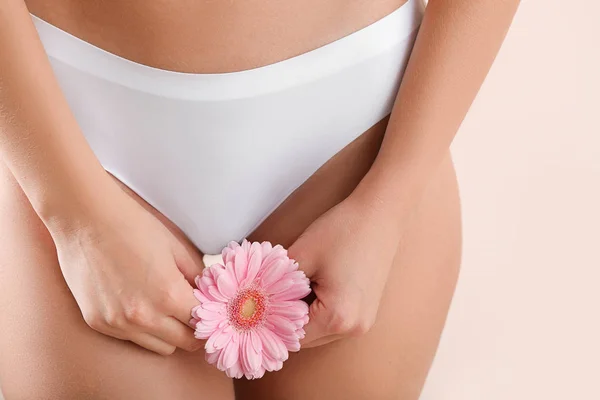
<point>298,250</point>
<point>162,296</point>
<point>170,295</point>
<point>348,320</point>
<point>114,319</point>
<point>362,327</point>
<point>342,321</point>
<point>137,312</point>
<point>93,319</point>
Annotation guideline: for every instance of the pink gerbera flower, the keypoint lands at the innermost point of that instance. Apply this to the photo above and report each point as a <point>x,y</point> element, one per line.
<point>250,309</point>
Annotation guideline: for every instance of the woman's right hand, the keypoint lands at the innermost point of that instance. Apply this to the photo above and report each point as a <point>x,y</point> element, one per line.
<point>120,262</point>
<point>123,267</point>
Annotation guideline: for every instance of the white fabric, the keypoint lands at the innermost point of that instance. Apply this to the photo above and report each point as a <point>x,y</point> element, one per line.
<point>217,153</point>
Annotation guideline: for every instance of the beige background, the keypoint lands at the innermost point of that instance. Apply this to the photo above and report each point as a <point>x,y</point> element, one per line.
<point>525,322</point>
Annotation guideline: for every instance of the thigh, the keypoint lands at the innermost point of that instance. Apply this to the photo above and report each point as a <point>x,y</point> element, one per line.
<point>391,361</point>
<point>48,352</point>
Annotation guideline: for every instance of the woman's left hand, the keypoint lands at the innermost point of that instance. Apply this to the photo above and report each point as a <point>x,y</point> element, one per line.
<point>347,254</point>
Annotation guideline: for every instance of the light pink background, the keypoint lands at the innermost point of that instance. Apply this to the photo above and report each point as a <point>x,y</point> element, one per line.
<point>525,322</point>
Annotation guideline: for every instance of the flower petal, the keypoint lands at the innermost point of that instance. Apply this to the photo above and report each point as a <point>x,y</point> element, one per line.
<point>235,371</point>
<point>211,323</point>
<point>292,345</point>
<point>246,245</point>
<point>280,286</point>
<point>220,360</point>
<point>216,294</point>
<point>272,345</point>
<point>231,354</point>
<point>212,358</point>
<point>266,248</point>
<point>296,292</point>
<point>253,357</point>
<point>228,252</point>
<point>297,276</point>
<point>202,326</point>
<point>227,284</point>
<point>206,324</point>
<point>289,336</point>
<point>281,324</point>
<point>206,281</point>
<point>215,306</point>
<point>224,338</point>
<point>201,297</point>
<point>270,364</point>
<point>276,254</point>
<point>243,357</point>
<point>272,274</point>
<point>240,264</point>
<point>208,288</point>
<point>203,334</point>
<point>256,374</point>
<point>219,339</point>
<point>289,309</point>
<point>293,266</point>
<point>204,314</point>
<point>298,323</point>
<point>214,271</point>
<point>255,341</point>
<point>254,263</point>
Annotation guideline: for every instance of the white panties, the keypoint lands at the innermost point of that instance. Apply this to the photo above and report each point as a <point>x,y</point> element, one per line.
<point>217,153</point>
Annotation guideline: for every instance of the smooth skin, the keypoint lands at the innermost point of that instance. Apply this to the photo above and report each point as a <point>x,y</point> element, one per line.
<point>90,275</point>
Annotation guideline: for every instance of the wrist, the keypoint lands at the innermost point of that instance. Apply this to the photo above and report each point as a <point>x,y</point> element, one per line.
<point>73,205</point>
<point>381,198</point>
<point>376,194</point>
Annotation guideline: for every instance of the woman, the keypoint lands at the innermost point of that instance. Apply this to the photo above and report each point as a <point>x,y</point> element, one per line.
<point>260,119</point>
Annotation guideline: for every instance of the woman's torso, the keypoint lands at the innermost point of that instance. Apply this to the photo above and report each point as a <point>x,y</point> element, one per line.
<point>210,36</point>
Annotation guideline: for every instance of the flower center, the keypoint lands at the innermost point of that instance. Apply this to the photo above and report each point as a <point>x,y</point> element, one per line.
<point>247,309</point>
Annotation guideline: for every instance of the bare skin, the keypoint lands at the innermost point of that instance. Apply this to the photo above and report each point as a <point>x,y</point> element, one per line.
<point>51,349</point>
<point>44,335</point>
<point>210,36</point>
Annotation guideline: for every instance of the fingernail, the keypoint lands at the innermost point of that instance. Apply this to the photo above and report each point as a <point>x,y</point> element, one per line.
<point>196,348</point>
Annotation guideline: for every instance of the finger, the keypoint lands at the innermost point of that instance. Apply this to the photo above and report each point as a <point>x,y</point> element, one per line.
<point>177,334</point>
<point>152,343</point>
<point>181,306</point>
<point>188,262</point>
<point>321,341</point>
<point>316,328</point>
<point>145,340</point>
<point>296,252</point>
